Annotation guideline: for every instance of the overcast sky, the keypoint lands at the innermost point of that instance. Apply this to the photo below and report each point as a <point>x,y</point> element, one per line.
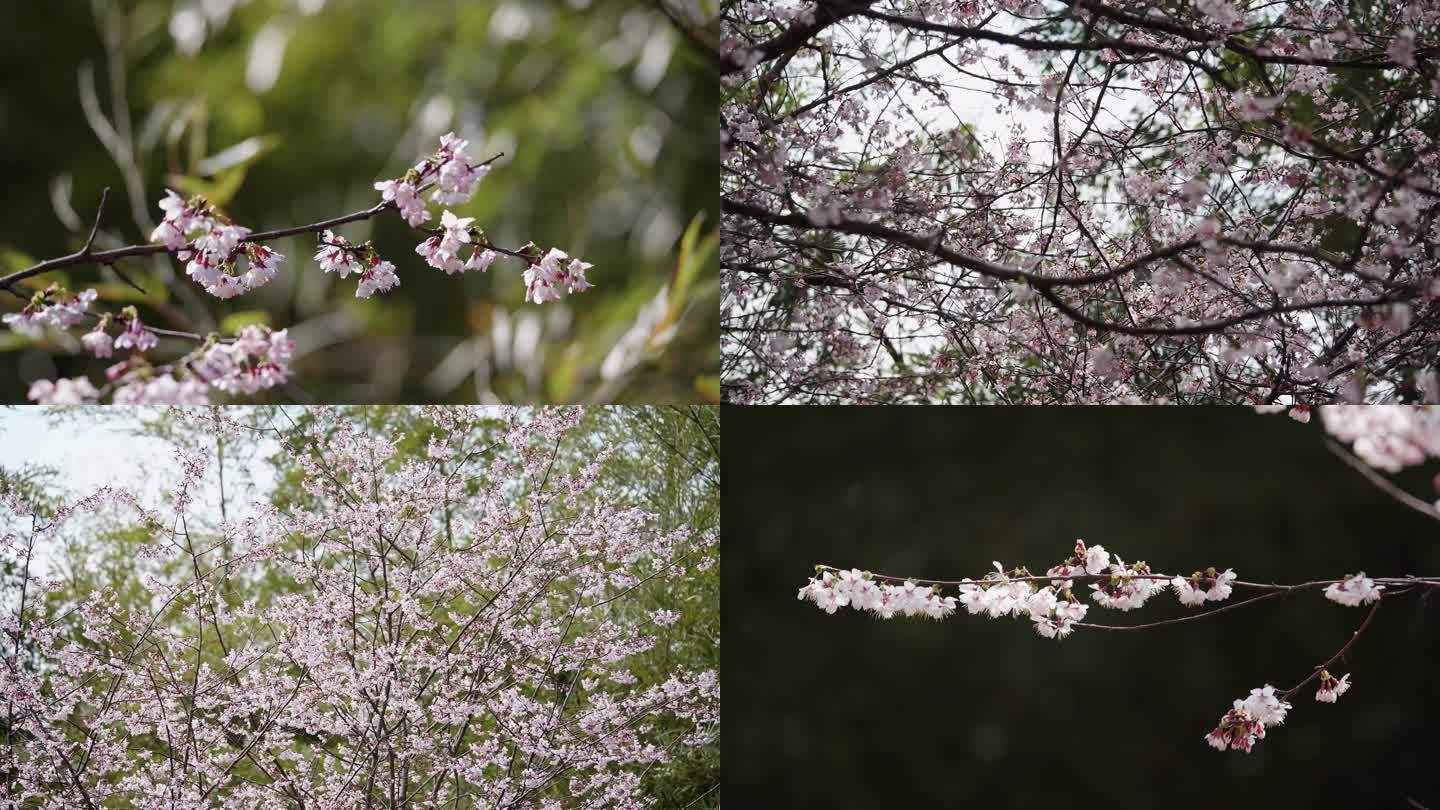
<point>102,447</point>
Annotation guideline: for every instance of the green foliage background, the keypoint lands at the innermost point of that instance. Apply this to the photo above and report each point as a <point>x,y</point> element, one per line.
<point>978,711</point>
<point>607,113</point>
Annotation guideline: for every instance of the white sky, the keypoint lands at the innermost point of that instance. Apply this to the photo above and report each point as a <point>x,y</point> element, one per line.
<point>101,446</point>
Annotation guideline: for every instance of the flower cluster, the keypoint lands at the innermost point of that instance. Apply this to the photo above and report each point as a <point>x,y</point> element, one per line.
<point>1331,688</point>
<point>455,175</point>
<point>162,389</point>
<point>212,245</point>
<point>442,251</point>
<point>257,359</point>
<point>1202,587</point>
<point>857,589</point>
<point>556,271</point>
<point>1355,591</point>
<point>54,308</point>
<point>1053,607</point>
<point>1246,720</point>
<point>337,255</point>
<point>75,391</point>
<point>1128,586</point>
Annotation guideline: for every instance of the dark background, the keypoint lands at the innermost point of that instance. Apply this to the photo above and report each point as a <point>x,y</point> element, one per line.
<point>865,712</point>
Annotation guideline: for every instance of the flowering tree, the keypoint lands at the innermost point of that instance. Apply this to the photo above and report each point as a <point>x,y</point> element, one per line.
<point>1086,201</point>
<point>456,628</point>
<point>228,260</point>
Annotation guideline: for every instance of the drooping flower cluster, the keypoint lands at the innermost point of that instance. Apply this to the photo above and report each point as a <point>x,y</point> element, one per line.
<point>1245,722</point>
<point>74,391</point>
<point>52,308</point>
<point>337,255</point>
<point>1202,587</point>
<point>257,359</point>
<point>555,272</point>
<point>442,251</point>
<point>1128,586</point>
<point>1356,590</point>
<point>211,246</point>
<point>1331,688</point>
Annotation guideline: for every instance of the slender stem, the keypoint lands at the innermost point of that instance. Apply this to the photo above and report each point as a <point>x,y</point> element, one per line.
<point>1332,659</point>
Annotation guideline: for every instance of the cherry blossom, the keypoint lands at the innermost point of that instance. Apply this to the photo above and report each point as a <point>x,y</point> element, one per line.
<point>76,391</point>
<point>378,277</point>
<point>1354,591</point>
<point>1202,587</point>
<point>1331,688</point>
<point>407,199</point>
<point>98,341</point>
<point>51,308</point>
<point>336,255</point>
<point>135,335</point>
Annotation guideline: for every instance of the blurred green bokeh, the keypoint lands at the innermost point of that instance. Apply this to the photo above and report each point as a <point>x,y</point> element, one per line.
<point>292,109</point>
<point>971,710</point>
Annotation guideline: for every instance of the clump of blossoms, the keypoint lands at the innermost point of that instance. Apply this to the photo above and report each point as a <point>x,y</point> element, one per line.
<point>458,246</point>
<point>337,255</point>
<point>1354,591</point>
<point>52,308</point>
<point>1202,587</point>
<point>554,274</point>
<point>212,245</point>
<point>1245,722</point>
<point>443,250</point>
<point>431,618</point>
<point>256,359</point>
<point>1053,606</point>
<point>1331,688</point>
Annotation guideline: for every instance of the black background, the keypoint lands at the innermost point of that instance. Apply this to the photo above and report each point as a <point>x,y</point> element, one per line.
<point>852,711</point>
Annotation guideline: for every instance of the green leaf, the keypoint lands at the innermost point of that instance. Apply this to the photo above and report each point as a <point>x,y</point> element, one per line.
<point>696,254</point>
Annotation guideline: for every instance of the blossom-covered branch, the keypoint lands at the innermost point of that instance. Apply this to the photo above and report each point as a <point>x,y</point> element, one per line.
<point>1056,202</point>
<point>1052,603</point>
<point>227,260</point>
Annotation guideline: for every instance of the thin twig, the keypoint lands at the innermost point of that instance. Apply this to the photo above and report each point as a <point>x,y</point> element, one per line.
<point>1381,481</point>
